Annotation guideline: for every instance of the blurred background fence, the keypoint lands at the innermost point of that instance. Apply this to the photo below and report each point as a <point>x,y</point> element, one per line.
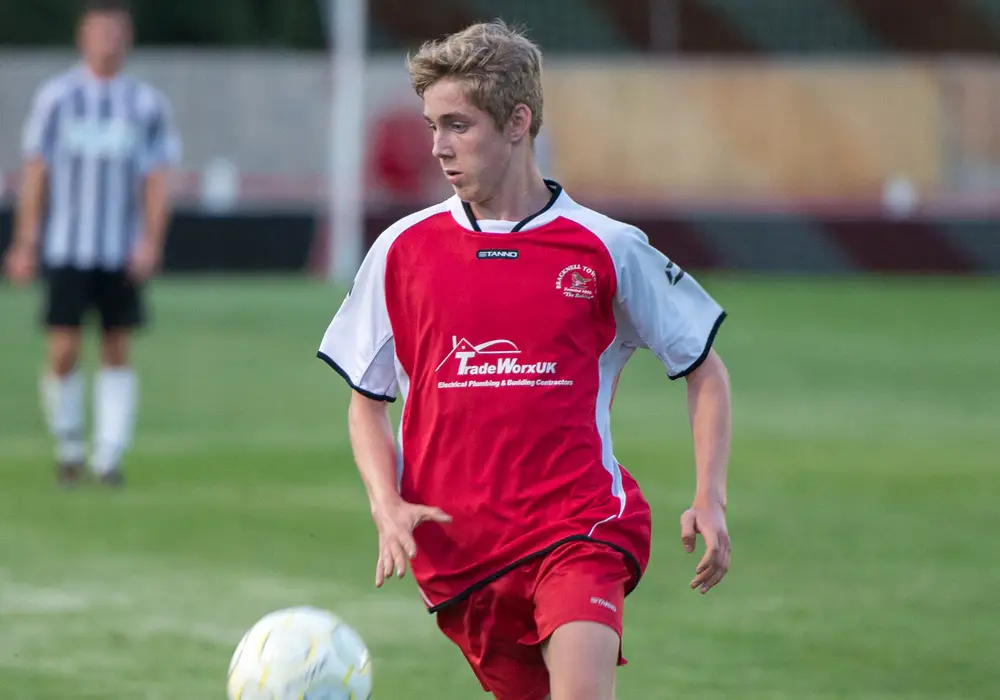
<point>793,135</point>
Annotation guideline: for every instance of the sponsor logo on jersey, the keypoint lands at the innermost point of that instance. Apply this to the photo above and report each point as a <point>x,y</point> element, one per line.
<point>497,254</point>
<point>577,282</point>
<point>495,363</point>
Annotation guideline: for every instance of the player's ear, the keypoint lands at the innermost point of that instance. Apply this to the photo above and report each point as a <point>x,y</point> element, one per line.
<point>519,124</point>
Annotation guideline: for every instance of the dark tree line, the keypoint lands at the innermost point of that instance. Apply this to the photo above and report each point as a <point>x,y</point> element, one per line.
<point>223,23</point>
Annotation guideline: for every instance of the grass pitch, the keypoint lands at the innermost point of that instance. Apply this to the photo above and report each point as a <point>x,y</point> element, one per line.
<point>863,491</point>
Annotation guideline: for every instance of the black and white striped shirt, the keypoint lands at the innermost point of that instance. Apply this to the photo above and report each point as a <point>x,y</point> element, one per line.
<point>99,139</point>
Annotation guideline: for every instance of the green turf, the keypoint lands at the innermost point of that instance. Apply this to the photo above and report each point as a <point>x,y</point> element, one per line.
<point>863,495</point>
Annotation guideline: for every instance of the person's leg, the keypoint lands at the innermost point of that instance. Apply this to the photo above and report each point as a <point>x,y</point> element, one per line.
<point>115,390</point>
<point>68,294</point>
<point>549,629</point>
<point>63,399</point>
<point>116,385</point>
<point>578,608</point>
<point>582,658</point>
<point>495,631</point>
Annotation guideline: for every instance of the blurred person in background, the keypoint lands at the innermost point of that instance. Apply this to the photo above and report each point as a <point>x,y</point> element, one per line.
<point>93,212</point>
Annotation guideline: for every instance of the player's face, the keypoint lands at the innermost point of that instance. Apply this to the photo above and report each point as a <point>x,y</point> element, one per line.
<point>104,39</point>
<point>473,152</point>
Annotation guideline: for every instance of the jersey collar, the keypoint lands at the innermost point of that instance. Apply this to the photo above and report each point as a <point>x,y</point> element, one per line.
<point>91,78</point>
<point>463,214</point>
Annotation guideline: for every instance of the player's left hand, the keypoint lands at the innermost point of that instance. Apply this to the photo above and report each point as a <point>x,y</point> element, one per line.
<point>145,259</point>
<point>710,521</point>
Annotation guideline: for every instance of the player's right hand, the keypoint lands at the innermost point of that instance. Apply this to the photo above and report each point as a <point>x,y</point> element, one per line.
<point>19,264</point>
<point>396,545</point>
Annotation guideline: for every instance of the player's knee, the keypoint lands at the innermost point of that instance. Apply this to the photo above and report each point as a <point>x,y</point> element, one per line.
<point>582,683</point>
<point>64,362</point>
<point>582,658</point>
<point>64,351</point>
<point>115,349</point>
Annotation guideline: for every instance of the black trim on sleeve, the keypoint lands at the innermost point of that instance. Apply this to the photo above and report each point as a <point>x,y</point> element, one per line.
<point>630,560</point>
<point>339,370</point>
<point>704,354</point>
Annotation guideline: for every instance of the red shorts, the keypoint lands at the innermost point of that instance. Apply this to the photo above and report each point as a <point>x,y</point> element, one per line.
<point>500,628</point>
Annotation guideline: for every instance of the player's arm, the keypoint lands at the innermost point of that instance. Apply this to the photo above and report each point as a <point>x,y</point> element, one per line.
<point>672,315</point>
<point>709,407</point>
<point>30,202</point>
<point>37,146</point>
<point>157,195</point>
<point>374,453</point>
<point>160,154</point>
<point>374,450</point>
<point>359,346</point>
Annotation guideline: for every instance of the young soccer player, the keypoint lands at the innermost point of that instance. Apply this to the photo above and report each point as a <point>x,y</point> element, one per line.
<point>503,318</point>
<point>98,146</point>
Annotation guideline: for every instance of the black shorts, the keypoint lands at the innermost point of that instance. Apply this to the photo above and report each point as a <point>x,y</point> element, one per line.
<point>72,293</point>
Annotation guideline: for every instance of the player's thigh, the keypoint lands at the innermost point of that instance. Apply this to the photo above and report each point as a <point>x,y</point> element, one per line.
<point>69,294</point>
<point>579,604</point>
<point>491,628</point>
<point>582,658</point>
<point>120,302</point>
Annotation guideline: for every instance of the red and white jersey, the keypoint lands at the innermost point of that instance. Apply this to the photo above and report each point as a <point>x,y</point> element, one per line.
<point>505,342</point>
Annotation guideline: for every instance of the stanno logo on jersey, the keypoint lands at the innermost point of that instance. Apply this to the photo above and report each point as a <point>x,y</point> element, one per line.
<point>577,282</point>
<point>497,254</point>
<point>604,603</point>
<point>495,364</point>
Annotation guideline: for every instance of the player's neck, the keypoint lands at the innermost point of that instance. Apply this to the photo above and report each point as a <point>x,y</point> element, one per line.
<point>101,71</point>
<point>520,195</point>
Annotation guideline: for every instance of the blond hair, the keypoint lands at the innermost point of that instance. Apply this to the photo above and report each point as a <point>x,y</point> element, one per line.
<point>498,66</point>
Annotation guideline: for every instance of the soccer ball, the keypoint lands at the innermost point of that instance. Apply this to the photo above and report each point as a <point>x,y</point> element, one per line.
<point>300,653</point>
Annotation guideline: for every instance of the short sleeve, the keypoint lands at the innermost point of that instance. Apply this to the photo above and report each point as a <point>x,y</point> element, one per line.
<point>358,343</point>
<point>671,314</point>
<point>161,144</point>
<point>38,135</point>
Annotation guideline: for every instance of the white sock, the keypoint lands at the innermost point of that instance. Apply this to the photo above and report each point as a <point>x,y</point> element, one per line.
<point>62,398</point>
<point>114,416</point>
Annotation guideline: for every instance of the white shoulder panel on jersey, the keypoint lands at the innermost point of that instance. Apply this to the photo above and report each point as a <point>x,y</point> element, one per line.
<point>161,143</point>
<point>662,307</point>
<point>36,134</point>
<point>358,343</point>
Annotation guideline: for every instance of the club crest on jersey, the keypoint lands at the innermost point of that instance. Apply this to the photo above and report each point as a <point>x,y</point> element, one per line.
<point>577,282</point>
